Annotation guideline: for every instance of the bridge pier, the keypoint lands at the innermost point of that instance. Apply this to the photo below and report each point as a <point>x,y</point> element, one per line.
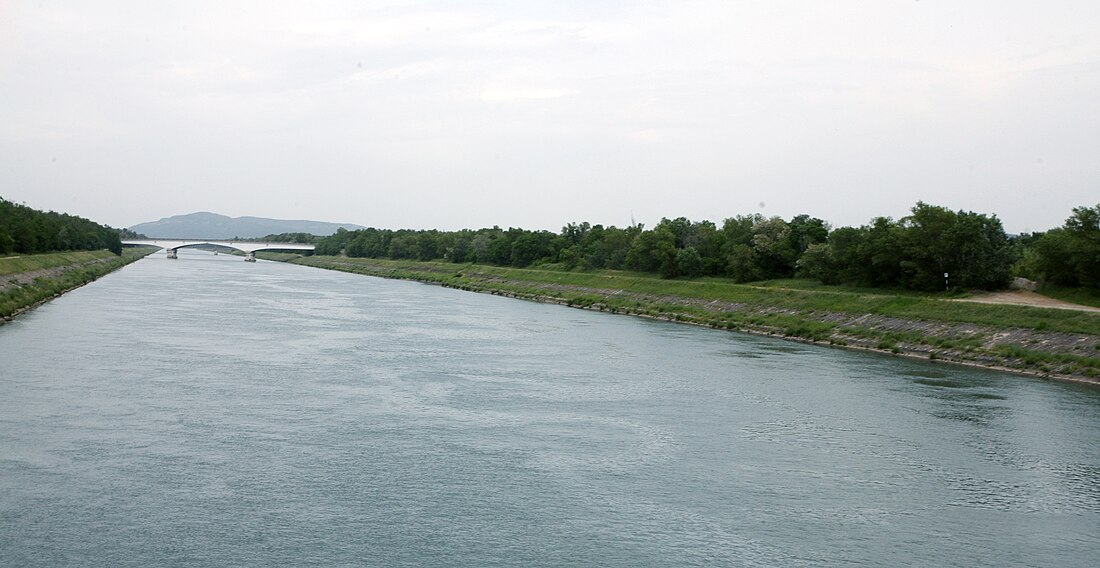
<point>250,256</point>
<point>171,253</point>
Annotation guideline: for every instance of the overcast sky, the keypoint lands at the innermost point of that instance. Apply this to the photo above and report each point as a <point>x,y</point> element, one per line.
<point>470,114</point>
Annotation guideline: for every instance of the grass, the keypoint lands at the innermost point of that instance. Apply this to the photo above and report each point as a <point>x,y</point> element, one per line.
<point>80,272</point>
<point>1075,363</point>
<point>1082,296</point>
<point>816,285</point>
<point>278,256</point>
<point>25,263</point>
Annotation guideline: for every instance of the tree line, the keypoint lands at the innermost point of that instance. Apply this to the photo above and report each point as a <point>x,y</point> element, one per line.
<point>24,230</point>
<point>932,248</point>
<point>1067,256</point>
<point>300,238</point>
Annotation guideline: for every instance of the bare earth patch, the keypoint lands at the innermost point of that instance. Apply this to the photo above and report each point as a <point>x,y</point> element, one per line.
<point>1025,298</point>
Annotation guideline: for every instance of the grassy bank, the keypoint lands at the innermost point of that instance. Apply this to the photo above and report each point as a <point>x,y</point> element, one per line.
<point>278,256</point>
<point>1081,296</point>
<point>25,263</point>
<point>1052,342</point>
<point>30,279</point>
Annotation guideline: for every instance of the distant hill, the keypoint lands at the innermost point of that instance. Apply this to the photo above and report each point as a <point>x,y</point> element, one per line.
<point>213,226</point>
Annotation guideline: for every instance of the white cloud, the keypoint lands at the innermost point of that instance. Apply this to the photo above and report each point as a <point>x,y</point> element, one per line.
<point>511,93</point>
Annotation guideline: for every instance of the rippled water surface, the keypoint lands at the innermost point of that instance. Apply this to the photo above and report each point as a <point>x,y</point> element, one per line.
<point>212,411</point>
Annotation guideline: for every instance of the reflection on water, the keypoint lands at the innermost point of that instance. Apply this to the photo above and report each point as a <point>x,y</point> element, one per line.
<point>211,411</point>
<point>941,383</point>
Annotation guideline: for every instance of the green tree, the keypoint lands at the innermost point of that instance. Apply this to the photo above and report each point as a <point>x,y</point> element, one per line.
<point>529,246</point>
<point>971,247</point>
<point>742,264</point>
<point>982,256</point>
<point>738,230</point>
<point>479,248</point>
<point>7,243</point>
<point>654,251</point>
<point>818,262</point>
<point>459,250</point>
<point>926,246</point>
<point>403,245</point>
<point>1070,255</point>
<point>772,247</point>
<point>880,255</point>
<point>356,248</point>
<point>430,245</point>
<point>689,262</point>
<point>31,231</point>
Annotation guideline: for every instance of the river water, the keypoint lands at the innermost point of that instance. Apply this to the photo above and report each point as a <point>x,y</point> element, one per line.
<point>208,411</point>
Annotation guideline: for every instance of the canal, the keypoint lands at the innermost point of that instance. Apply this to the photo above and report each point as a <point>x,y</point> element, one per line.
<point>208,411</point>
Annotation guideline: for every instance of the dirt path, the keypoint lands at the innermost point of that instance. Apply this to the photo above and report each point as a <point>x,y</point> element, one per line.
<point>1026,298</point>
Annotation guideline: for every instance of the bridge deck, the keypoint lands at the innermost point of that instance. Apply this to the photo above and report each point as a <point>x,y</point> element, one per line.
<point>245,246</point>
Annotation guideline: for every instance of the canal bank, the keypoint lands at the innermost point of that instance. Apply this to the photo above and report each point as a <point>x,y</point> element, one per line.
<point>28,281</point>
<point>1046,343</point>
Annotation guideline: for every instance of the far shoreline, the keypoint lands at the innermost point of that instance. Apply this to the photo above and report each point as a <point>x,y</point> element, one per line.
<point>922,340</point>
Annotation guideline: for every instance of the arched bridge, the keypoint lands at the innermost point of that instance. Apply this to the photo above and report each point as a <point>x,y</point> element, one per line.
<point>248,247</point>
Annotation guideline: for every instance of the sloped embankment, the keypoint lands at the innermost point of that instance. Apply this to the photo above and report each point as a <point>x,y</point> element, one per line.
<point>1036,341</point>
<point>28,281</point>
